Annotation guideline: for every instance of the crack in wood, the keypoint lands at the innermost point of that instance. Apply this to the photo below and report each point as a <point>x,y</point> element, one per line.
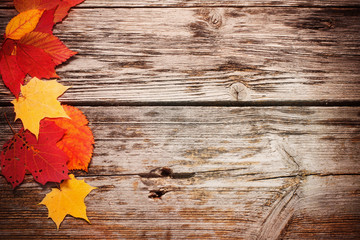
<point>291,158</point>
<point>163,172</point>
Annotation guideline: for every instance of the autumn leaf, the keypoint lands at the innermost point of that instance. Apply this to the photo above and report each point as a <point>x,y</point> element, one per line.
<point>62,6</point>
<point>39,100</point>
<point>42,158</point>
<point>36,54</point>
<point>24,5</point>
<point>12,74</point>
<point>50,44</point>
<point>78,140</point>
<point>35,61</point>
<point>23,23</point>
<point>69,199</point>
<point>63,9</point>
<point>46,22</point>
<point>74,2</point>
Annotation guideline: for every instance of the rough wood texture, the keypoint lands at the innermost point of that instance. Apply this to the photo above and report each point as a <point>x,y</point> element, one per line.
<point>284,139</point>
<point>255,171</point>
<point>222,173</point>
<point>210,54</point>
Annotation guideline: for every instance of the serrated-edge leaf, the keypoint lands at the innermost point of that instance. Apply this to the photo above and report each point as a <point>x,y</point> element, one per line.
<point>50,44</point>
<point>35,62</point>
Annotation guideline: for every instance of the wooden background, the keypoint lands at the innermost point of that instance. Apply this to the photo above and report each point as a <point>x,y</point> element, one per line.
<point>212,120</point>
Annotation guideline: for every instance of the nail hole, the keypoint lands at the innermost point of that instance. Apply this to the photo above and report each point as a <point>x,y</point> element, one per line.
<point>157,193</point>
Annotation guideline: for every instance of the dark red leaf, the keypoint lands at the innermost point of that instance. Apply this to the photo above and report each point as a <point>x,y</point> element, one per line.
<point>42,158</point>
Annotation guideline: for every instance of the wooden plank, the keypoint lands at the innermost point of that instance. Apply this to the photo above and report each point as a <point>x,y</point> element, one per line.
<point>221,173</point>
<point>208,3</point>
<point>209,54</point>
<point>283,141</point>
<point>226,208</point>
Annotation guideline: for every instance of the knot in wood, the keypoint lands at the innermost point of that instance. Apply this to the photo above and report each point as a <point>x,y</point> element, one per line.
<point>238,91</point>
<point>216,20</point>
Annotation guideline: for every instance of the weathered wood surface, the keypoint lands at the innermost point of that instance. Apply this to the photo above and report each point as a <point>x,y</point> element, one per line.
<point>207,172</point>
<point>209,54</point>
<point>208,138</point>
<point>225,173</point>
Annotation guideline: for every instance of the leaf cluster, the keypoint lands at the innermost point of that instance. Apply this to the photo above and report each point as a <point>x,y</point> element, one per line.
<point>55,138</point>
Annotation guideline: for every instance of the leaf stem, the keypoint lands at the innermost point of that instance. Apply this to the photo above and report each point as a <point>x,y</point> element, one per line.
<point>7,120</point>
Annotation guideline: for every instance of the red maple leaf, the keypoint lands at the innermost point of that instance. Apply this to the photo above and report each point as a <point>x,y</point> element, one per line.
<point>42,158</point>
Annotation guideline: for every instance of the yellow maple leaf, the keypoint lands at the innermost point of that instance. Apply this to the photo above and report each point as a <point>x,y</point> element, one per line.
<point>69,199</point>
<point>23,23</point>
<point>39,100</point>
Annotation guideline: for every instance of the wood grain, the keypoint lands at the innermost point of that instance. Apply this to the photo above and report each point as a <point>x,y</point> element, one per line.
<point>221,173</point>
<point>319,208</point>
<point>209,54</point>
<point>259,171</point>
<point>282,140</point>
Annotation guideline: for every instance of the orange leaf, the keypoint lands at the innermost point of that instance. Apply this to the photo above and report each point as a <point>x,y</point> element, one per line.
<point>78,140</point>
<point>63,9</point>
<point>50,44</point>
<point>23,23</point>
